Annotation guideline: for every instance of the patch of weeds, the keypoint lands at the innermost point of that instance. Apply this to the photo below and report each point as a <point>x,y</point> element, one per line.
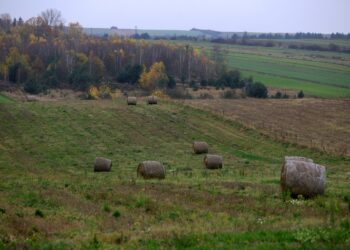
<point>347,201</point>
<point>214,191</point>
<point>31,199</point>
<point>48,245</point>
<point>113,238</point>
<point>345,224</point>
<point>333,209</point>
<point>307,236</point>
<point>88,197</point>
<point>106,208</point>
<point>141,201</point>
<point>320,202</point>
<point>297,215</point>
<point>242,172</point>
<point>43,183</point>
<point>34,199</point>
<point>116,214</point>
<point>20,214</point>
<point>181,242</point>
<point>39,213</point>
<point>174,215</point>
<point>92,245</point>
<point>286,195</point>
<point>205,174</point>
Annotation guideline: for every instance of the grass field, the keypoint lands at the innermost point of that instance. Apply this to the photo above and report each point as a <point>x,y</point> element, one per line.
<point>51,199</point>
<point>321,74</point>
<point>4,99</point>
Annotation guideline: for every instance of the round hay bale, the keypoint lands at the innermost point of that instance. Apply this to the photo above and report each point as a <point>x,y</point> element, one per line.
<point>31,98</point>
<point>152,100</point>
<point>132,100</point>
<point>151,169</point>
<point>301,176</point>
<point>102,165</point>
<point>213,161</point>
<point>200,147</point>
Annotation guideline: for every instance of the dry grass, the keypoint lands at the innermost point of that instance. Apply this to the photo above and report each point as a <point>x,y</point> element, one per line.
<point>316,123</point>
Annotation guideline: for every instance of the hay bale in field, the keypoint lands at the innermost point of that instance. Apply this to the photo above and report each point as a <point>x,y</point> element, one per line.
<point>301,176</point>
<point>131,100</point>
<point>102,164</point>
<point>152,100</point>
<point>200,147</point>
<point>31,98</point>
<point>297,158</point>
<point>213,161</point>
<point>151,169</point>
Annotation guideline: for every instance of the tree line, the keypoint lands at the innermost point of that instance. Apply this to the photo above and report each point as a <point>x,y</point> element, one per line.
<point>291,45</point>
<point>42,52</point>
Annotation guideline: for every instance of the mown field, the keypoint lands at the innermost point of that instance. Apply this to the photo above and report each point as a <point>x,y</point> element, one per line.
<point>316,123</point>
<point>321,74</point>
<point>50,198</point>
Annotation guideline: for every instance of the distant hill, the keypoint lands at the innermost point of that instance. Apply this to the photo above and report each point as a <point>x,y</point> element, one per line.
<point>159,33</point>
<point>211,33</point>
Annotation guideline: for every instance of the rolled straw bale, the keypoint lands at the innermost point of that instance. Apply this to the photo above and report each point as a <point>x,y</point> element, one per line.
<point>152,99</point>
<point>131,100</point>
<point>301,176</point>
<point>213,161</point>
<point>102,165</point>
<point>151,169</point>
<point>200,147</point>
<point>31,98</point>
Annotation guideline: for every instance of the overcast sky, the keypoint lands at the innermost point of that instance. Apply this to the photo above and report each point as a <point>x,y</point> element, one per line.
<point>324,16</point>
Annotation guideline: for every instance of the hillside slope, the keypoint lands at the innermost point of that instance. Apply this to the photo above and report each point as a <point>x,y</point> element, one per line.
<point>50,197</point>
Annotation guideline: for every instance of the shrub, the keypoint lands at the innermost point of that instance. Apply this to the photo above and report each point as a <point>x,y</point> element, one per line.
<point>278,95</point>
<point>159,94</point>
<point>257,90</point>
<point>104,92</point>
<point>229,94</point>
<point>93,93</point>
<point>116,214</point>
<point>32,87</point>
<point>231,79</point>
<point>130,74</point>
<point>285,96</point>
<point>194,85</point>
<point>171,82</point>
<point>300,94</point>
<point>205,96</point>
<point>204,82</point>
<point>39,213</point>
<point>155,77</point>
<point>106,208</point>
<point>179,93</point>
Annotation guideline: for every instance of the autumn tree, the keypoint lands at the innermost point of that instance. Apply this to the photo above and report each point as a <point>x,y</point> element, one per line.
<point>39,52</point>
<point>156,77</point>
<point>52,17</point>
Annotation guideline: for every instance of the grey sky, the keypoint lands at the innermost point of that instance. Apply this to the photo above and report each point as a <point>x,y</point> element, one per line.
<point>324,16</point>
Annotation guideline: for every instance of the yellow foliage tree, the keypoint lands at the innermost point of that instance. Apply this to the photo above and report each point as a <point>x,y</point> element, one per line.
<point>156,77</point>
<point>93,93</point>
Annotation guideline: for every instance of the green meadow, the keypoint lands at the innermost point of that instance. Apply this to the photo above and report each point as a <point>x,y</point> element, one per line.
<point>320,74</point>
<point>50,198</point>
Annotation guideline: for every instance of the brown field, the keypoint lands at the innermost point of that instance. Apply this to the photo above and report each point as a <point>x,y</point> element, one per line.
<point>316,123</point>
